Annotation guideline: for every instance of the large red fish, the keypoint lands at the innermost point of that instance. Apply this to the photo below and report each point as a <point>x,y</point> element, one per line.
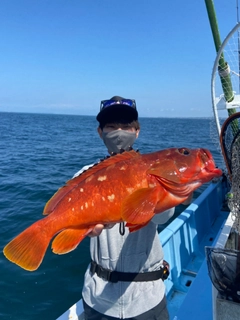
<point>126,187</point>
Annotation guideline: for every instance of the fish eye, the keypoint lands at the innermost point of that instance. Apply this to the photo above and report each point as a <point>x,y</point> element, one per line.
<point>184,151</point>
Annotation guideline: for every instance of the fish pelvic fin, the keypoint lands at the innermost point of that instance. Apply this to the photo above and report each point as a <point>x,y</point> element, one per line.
<point>138,208</point>
<point>29,247</point>
<point>68,239</point>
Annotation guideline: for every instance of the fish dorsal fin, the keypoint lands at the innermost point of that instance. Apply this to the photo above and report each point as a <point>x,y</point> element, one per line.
<point>102,165</point>
<point>73,183</point>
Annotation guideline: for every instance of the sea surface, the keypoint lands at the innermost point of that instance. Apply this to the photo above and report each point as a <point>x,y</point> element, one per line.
<point>39,153</point>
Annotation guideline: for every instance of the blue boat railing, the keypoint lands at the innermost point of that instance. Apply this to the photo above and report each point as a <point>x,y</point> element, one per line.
<point>185,238</point>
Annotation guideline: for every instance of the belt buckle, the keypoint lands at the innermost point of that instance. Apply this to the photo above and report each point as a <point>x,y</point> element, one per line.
<point>165,273</point>
<point>103,273</point>
<point>165,268</point>
<point>107,274</point>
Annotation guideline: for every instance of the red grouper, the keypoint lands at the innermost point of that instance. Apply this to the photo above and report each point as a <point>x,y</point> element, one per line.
<point>129,187</point>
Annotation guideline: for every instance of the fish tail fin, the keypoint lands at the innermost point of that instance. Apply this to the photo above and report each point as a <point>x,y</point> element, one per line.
<point>28,248</point>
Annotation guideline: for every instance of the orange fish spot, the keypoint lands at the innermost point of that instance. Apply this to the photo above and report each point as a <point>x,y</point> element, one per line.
<point>111,197</point>
<point>89,179</point>
<point>152,185</point>
<point>102,178</point>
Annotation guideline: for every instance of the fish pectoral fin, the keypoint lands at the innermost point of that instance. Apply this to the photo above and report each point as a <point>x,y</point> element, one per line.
<point>68,239</point>
<point>135,227</point>
<point>138,208</point>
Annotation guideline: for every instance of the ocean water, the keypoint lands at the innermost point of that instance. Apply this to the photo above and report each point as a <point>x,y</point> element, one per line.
<point>39,153</point>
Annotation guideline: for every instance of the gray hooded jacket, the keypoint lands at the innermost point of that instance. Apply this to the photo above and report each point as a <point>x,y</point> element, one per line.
<point>140,251</point>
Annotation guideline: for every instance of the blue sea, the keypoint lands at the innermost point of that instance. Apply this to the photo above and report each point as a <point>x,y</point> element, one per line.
<point>39,153</point>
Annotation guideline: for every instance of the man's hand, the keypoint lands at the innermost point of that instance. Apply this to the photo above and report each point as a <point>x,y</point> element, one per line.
<point>99,228</point>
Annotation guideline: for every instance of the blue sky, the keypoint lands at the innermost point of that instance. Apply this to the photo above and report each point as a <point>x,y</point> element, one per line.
<point>64,56</point>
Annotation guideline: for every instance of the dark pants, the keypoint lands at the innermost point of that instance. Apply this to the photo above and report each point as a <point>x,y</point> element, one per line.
<point>159,312</point>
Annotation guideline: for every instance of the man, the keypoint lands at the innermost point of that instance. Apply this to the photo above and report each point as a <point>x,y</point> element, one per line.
<point>135,290</point>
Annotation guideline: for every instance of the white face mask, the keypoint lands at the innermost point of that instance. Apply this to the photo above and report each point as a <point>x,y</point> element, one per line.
<point>118,139</point>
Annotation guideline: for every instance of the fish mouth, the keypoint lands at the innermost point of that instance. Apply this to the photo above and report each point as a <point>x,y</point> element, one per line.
<point>209,164</point>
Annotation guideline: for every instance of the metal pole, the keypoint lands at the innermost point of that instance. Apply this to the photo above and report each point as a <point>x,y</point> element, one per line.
<point>223,67</point>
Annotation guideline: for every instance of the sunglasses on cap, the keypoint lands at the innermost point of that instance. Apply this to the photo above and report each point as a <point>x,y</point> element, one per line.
<point>107,103</point>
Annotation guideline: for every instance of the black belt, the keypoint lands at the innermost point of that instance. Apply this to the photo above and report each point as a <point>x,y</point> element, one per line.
<point>115,276</point>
